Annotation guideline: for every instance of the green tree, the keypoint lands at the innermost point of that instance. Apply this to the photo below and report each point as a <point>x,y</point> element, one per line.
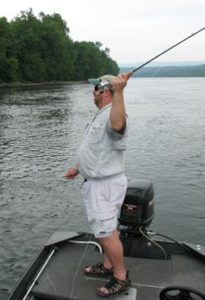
<point>27,43</point>
<point>8,63</point>
<point>57,47</point>
<point>39,49</point>
<point>90,61</point>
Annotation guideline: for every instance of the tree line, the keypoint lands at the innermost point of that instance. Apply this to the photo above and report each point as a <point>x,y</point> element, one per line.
<point>40,49</point>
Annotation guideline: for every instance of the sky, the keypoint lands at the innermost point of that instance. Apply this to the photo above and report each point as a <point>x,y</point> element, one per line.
<point>133,30</point>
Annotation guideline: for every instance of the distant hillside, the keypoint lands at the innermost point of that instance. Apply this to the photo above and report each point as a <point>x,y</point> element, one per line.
<point>164,63</point>
<point>168,71</point>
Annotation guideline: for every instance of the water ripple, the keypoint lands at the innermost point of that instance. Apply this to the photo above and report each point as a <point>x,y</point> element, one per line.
<point>40,131</point>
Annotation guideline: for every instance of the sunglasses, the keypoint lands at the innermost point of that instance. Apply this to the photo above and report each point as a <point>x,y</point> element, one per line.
<point>97,88</point>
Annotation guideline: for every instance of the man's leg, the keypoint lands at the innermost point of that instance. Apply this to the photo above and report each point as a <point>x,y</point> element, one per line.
<point>112,246</point>
<point>107,263</point>
<point>113,249</point>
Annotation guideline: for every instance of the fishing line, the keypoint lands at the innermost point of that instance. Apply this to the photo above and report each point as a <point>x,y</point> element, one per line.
<point>79,267</point>
<point>160,54</point>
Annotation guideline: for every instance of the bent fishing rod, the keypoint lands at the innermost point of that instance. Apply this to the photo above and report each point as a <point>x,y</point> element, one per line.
<point>175,45</point>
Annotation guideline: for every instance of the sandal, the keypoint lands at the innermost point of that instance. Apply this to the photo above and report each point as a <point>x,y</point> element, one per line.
<point>115,287</point>
<point>98,271</point>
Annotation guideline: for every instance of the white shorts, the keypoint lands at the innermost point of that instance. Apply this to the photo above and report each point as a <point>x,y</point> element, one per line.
<point>103,199</point>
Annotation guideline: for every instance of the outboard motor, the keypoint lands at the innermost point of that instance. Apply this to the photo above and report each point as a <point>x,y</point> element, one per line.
<point>137,210</point>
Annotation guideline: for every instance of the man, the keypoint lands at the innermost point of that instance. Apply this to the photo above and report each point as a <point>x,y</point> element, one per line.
<point>100,162</point>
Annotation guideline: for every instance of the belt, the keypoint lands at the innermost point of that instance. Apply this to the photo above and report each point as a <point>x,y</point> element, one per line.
<point>101,178</point>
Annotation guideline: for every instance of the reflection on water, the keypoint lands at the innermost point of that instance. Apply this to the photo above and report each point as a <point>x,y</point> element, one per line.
<point>40,131</point>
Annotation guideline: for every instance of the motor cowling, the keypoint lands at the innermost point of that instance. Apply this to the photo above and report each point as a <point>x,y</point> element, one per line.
<point>138,206</point>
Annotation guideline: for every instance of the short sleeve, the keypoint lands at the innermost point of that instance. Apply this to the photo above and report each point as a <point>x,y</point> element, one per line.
<point>118,139</point>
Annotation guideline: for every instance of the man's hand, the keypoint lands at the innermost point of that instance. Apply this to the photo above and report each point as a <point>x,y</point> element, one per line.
<point>71,173</point>
<point>120,82</point>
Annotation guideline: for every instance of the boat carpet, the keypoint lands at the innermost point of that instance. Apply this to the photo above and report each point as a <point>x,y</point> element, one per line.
<point>63,278</point>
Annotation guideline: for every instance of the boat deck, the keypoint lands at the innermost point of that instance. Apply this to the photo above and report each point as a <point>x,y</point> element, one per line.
<point>63,277</point>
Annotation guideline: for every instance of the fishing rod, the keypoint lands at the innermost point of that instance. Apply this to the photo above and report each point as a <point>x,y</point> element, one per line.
<point>144,64</point>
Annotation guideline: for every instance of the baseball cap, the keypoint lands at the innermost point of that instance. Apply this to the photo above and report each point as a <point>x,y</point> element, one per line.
<point>102,82</point>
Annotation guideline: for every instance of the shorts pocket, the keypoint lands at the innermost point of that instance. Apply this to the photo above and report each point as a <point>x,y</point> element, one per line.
<point>103,227</point>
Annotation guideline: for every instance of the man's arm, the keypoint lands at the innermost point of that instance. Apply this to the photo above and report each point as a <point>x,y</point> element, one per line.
<point>118,113</point>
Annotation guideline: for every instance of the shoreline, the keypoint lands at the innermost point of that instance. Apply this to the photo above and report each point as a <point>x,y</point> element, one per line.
<point>29,83</point>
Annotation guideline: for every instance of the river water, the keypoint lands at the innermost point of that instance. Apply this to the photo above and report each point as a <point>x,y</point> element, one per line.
<point>40,131</point>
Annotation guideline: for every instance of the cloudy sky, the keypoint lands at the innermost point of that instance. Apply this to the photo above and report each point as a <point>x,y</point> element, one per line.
<point>133,30</point>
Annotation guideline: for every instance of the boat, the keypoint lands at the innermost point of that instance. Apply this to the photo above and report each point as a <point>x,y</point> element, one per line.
<point>160,267</point>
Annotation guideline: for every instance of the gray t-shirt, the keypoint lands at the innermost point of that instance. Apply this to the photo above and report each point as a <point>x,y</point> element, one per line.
<point>101,151</point>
